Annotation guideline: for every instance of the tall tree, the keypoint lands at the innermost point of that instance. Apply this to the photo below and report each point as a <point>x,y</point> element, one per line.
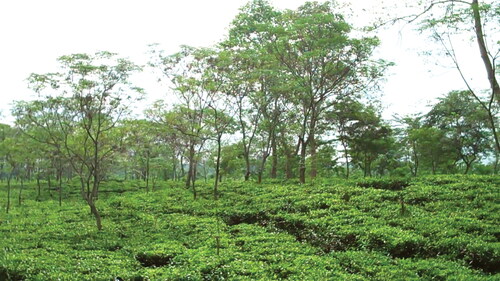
<point>257,79</point>
<point>314,45</point>
<point>85,101</point>
<point>368,138</point>
<point>450,22</point>
<point>409,135</point>
<point>342,116</point>
<point>186,70</point>
<point>463,121</point>
<point>11,151</point>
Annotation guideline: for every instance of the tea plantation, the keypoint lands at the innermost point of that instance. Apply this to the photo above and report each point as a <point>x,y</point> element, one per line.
<point>429,228</point>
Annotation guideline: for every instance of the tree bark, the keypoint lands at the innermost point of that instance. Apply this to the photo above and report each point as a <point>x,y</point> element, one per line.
<point>467,167</point>
<point>59,177</point>
<point>346,156</point>
<point>147,170</point>
<point>95,212</point>
<point>182,167</point>
<point>478,26</point>
<point>20,199</point>
<point>49,184</point>
<point>191,166</point>
<point>193,180</point>
<point>302,162</point>
<point>247,163</point>
<point>415,159</point>
<point>288,166</point>
<point>314,159</point>
<point>262,167</point>
<point>274,164</point>
<point>217,169</point>
<point>7,207</point>
<point>490,70</point>
<point>39,188</point>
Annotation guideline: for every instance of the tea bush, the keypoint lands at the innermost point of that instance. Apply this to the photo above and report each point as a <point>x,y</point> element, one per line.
<point>429,228</point>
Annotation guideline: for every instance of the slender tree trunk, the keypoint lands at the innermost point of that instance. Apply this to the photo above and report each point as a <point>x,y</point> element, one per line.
<point>491,120</point>
<point>95,212</point>
<point>274,163</point>
<point>247,164</point>
<point>153,182</point>
<point>314,158</point>
<point>147,170</point>
<point>205,173</point>
<point>262,167</point>
<point>415,159</point>
<point>346,156</point>
<point>288,166</point>
<point>490,70</point>
<point>191,166</point>
<point>467,167</point>
<point>217,169</point>
<point>7,207</point>
<point>174,166</point>
<point>495,165</point>
<point>49,184</point>
<point>60,188</point>
<point>302,162</point>
<point>183,172</point>
<point>193,180</point>
<point>39,188</point>
<point>365,163</point>
<point>20,199</point>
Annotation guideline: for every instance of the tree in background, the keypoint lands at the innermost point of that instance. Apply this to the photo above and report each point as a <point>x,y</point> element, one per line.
<point>187,71</point>
<point>452,21</point>
<point>368,138</point>
<point>315,47</point>
<point>261,100</point>
<point>78,113</point>
<point>409,135</point>
<point>461,119</point>
<point>11,150</point>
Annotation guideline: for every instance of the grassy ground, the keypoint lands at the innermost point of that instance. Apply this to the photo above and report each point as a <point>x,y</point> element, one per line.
<point>432,228</point>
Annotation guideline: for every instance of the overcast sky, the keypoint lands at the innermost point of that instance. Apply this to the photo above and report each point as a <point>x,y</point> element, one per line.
<point>34,33</point>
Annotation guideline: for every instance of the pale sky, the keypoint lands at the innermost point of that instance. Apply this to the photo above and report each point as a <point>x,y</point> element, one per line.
<point>34,33</point>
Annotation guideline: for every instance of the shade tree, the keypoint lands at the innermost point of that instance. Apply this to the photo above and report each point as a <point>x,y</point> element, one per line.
<point>83,102</point>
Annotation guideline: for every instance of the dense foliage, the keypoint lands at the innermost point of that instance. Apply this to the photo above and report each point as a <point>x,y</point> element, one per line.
<point>431,228</point>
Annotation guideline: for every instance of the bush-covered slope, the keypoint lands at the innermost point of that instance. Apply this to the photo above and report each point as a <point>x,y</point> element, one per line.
<point>434,228</point>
